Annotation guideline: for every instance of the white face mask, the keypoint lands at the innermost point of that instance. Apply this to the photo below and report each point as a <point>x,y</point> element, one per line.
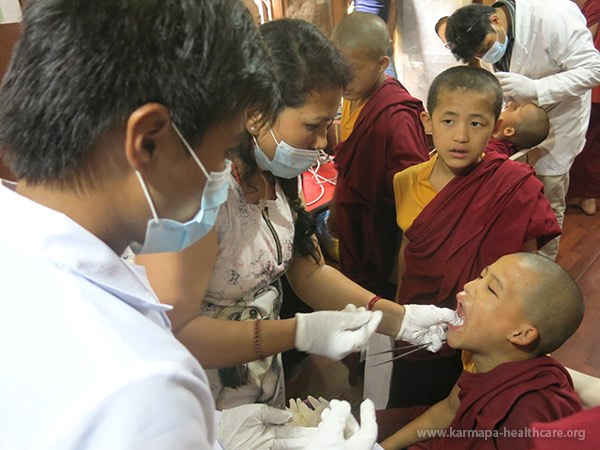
<point>288,162</point>
<point>497,50</point>
<point>167,235</point>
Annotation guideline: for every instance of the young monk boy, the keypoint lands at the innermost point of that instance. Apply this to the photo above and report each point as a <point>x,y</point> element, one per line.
<point>381,135</point>
<point>519,309</point>
<point>522,126</point>
<point>460,212</point>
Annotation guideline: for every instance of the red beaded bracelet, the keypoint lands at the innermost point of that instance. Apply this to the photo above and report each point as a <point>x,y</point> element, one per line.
<point>372,302</point>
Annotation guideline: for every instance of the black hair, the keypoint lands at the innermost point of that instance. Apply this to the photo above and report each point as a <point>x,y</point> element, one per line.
<point>306,62</point>
<point>82,67</point>
<point>467,28</point>
<point>470,79</point>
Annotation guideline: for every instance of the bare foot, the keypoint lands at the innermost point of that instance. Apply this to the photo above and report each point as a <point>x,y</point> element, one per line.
<point>587,205</point>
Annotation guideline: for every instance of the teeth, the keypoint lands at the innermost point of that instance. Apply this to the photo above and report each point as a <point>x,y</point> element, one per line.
<point>457,321</point>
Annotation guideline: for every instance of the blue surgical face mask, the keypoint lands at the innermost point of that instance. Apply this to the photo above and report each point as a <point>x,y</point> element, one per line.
<point>288,162</point>
<point>496,51</point>
<point>167,235</point>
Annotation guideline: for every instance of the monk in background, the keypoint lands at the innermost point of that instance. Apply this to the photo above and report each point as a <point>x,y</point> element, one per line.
<point>518,310</point>
<point>381,135</point>
<point>584,181</point>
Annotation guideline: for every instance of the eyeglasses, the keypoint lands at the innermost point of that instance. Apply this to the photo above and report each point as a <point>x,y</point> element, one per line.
<point>452,45</point>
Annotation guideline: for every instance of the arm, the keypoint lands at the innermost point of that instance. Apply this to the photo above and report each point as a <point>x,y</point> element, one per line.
<point>437,418</point>
<point>181,279</point>
<point>392,14</point>
<point>219,343</point>
<point>323,287</point>
<point>577,56</point>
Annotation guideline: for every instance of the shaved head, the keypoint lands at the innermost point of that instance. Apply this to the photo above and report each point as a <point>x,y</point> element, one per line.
<point>554,304</point>
<point>363,31</point>
<point>534,128</point>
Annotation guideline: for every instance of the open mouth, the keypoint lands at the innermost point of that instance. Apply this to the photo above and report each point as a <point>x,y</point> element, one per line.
<point>460,315</point>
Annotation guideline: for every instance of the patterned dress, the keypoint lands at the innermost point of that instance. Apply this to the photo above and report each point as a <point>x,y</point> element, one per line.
<point>255,249</point>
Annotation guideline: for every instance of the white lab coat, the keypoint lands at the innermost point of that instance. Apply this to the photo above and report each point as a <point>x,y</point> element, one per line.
<point>553,45</point>
<point>87,357</point>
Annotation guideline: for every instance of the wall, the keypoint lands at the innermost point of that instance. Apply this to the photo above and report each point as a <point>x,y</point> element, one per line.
<point>419,54</point>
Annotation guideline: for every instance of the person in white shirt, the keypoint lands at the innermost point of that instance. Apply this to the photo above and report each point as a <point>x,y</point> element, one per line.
<point>542,52</point>
<point>116,117</point>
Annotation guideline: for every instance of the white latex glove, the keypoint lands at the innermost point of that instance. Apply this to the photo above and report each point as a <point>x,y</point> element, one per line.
<point>250,427</point>
<point>426,324</point>
<point>292,438</point>
<point>330,433</point>
<point>517,86</point>
<point>353,308</point>
<point>335,334</point>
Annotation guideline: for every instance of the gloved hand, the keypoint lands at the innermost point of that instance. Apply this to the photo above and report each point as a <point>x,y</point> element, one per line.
<point>335,334</point>
<point>292,438</point>
<point>330,433</point>
<point>249,427</point>
<point>304,415</point>
<point>426,324</point>
<point>517,87</point>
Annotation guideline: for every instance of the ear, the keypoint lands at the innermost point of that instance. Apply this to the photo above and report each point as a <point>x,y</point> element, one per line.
<point>524,336</point>
<point>508,132</point>
<point>495,20</point>
<point>253,122</point>
<point>148,128</point>
<point>426,121</point>
<point>384,62</point>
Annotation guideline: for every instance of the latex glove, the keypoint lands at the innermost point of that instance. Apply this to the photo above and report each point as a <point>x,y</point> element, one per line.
<point>335,334</point>
<point>426,324</point>
<point>330,433</point>
<point>353,308</point>
<point>250,427</point>
<point>304,415</point>
<point>517,86</point>
<point>292,438</point>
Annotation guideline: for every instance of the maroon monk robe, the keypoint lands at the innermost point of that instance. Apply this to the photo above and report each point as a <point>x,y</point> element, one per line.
<point>580,431</point>
<point>585,172</point>
<point>502,147</point>
<point>477,218</point>
<point>387,137</point>
<point>505,401</point>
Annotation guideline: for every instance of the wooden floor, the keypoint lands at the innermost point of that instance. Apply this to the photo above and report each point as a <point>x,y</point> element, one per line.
<point>579,253</point>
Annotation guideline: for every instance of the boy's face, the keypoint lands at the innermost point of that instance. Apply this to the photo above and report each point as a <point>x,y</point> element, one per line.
<point>491,307</point>
<point>365,70</point>
<point>461,126</point>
